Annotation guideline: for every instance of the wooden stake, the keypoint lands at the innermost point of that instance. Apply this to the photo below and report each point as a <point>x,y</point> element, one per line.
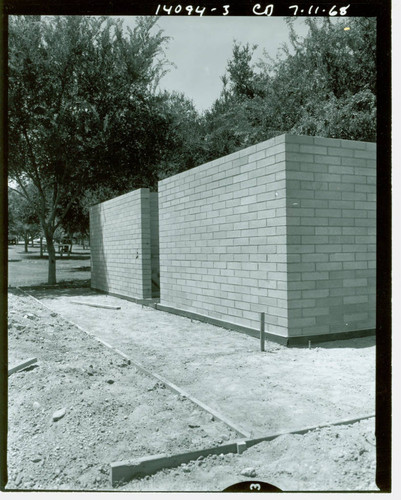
<point>262,331</point>
<point>100,306</point>
<point>22,365</point>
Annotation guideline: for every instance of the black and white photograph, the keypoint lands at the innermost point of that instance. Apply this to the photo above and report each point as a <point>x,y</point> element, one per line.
<point>197,284</point>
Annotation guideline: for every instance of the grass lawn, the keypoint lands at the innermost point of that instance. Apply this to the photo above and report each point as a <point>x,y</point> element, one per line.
<point>26,269</point>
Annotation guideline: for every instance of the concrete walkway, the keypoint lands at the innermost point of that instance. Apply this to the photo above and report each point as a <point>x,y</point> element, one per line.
<point>263,392</point>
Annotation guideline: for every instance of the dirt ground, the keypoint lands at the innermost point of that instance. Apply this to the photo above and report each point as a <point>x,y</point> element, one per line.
<point>328,459</point>
<point>113,412</point>
<point>263,392</point>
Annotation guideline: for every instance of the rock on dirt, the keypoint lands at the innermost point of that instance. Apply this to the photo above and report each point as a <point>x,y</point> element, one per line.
<point>59,414</point>
<point>249,472</point>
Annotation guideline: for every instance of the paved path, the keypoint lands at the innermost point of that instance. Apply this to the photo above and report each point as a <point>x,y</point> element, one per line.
<point>274,391</point>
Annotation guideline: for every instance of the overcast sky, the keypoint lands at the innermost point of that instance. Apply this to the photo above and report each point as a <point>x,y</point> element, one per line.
<point>201,46</point>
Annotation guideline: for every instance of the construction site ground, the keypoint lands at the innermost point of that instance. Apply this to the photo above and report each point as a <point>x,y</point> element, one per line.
<point>113,412</point>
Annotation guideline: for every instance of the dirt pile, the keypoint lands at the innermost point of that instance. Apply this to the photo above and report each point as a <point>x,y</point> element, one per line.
<point>338,458</point>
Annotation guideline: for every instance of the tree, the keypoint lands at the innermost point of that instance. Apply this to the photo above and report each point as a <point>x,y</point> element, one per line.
<point>236,119</point>
<point>325,83</point>
<point>322,84</point>
<point>21,219</point>
<point>82,110</point>
<point>186,147</point>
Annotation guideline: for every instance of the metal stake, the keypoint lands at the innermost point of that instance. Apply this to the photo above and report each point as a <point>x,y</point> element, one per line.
<point>262,331</point>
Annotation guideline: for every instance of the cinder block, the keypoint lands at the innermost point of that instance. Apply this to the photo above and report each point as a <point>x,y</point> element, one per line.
<point>278,209</point>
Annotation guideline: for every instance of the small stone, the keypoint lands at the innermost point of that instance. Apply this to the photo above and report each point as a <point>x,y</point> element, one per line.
<point>186,469</point>
<point>110,381</point>
<point>36,459</point>
<point>193,426</point>
<point>36,405</point>
<point>57,415</point>
<point>249,472</point>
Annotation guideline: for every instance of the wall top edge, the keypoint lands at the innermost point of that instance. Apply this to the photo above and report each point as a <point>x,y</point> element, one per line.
<point>116,199</point>
<point>317,138</point>
<point>269,143</point>
<point>232,156</point>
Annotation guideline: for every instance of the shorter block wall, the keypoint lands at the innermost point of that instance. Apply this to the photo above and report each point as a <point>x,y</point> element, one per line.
<point>121,244</point>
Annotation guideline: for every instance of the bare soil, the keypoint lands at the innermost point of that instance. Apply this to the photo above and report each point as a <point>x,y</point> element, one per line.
<point>330,459</point>
<point>114,412</point>
<point>264,393</point>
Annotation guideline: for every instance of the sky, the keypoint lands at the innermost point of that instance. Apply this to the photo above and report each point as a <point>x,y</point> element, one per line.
<point>201,46</point>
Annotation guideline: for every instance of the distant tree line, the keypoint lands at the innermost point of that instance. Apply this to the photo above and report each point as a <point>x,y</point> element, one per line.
<point>87,121</point>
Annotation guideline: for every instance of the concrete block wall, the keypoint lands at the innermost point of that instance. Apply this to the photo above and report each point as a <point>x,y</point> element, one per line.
<point>121,254</point>
<point>154,243</point>
<point>223,237</point>
<point>286,227</point>
<point>331,245</point>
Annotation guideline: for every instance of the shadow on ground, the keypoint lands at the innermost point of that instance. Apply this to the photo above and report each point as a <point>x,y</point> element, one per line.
<point>80,269</point>
<point>357,343</point>
<point>28,256</point>
<point>74,287</point>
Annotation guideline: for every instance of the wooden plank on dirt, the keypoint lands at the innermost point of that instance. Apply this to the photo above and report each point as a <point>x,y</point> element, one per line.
<point>22,365</point>
<point>182,392</point>
<point>100,306</point>
<point>122,472</point>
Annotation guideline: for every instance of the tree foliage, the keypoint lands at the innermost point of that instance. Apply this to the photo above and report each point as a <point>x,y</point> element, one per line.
<point>323,84</point>
<point>83,112</point>
<point>22,220</point>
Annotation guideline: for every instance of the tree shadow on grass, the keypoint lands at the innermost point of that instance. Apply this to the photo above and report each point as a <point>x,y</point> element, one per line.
<point>80,269</point>
<point>73,287</point>
<point>28,256</point>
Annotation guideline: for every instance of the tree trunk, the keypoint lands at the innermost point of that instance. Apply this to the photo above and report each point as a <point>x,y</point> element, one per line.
<point>41,246</point>
<point>51,279</point>
<point>26,242</point>
<point>70,247</point>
